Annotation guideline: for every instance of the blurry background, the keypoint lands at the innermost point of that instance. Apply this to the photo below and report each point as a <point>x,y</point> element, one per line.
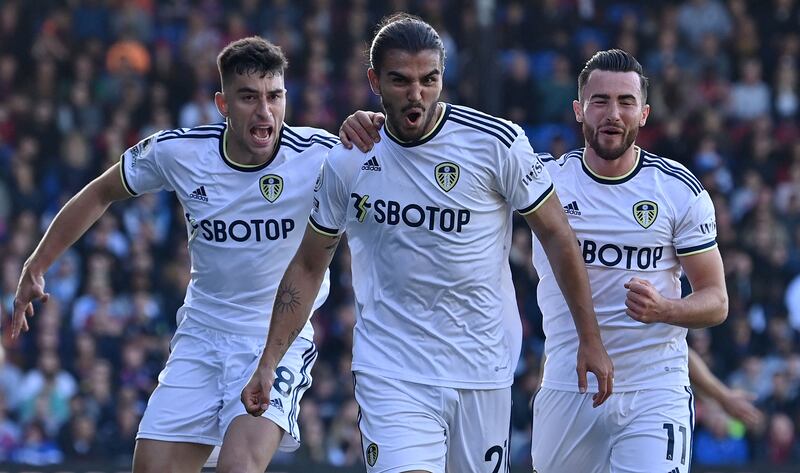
<point>82,80</point>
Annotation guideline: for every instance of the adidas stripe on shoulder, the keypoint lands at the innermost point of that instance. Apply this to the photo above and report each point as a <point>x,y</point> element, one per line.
<point>672,169</point>
<point>198,132</point>
<point>480,121</point>
<point>294,140</point>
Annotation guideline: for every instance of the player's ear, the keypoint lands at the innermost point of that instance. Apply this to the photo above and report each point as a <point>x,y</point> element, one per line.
<point>374,82</point>
<point>576,107</point>
<point>645,114</point>
<point>221,103</point>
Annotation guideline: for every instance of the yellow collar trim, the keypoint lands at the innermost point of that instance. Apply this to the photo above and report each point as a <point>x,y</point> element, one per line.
<point>434,128</point>
<point>615,178</point>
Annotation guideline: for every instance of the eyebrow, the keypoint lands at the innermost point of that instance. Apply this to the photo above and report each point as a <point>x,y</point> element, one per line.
<point>434,72</point>
<point>250,90</point>
<point>608,97</point>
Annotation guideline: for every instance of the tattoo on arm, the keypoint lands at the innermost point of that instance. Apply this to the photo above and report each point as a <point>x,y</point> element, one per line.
<point>287,299</point>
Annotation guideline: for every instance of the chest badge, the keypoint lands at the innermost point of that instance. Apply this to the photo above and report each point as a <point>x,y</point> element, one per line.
<point>645,212</point>
<point>271,186</point>
<point>447,175</point>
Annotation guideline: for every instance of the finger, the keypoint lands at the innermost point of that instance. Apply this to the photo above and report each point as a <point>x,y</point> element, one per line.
<point>609,385</point>
<point>45,297</point>
<point>344,138</point>
<point>637,288</point>
<point>582,379</point>
<point>634,306</point>
<point>602,390</point>
<point>378,120</point>
<point>358,136</point>
<point>25,326</point>
<point>17,316</point>
<point>363,140</point>
<point>634,315</point>
<point>365,120</point>
<point>250,399</point>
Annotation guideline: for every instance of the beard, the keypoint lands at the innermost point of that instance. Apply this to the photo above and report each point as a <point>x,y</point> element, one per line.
<point>591,135</point>
<point>395,117</point>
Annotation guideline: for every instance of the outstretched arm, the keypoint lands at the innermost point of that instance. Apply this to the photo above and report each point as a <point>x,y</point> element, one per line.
<point>706,306</point>
<point>736,403</point>
<point>293,301</point>
<point>77,216</point>
<point>561,247</point>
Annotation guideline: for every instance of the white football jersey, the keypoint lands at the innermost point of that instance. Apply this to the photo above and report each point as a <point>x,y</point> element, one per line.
<point>632,226</point>
<point>244,222</point>
<point>429,229</point>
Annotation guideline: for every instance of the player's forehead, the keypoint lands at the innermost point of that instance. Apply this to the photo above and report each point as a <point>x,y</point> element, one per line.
<point>411,64</point>
<point>254,81</point>
<point>613,84</point>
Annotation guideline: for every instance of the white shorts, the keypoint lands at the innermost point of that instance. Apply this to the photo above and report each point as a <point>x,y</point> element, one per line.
<point>632,432</point>
<point>409,426</point>
<point>198,390</point>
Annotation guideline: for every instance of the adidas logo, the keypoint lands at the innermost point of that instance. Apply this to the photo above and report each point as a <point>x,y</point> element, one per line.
<point>675,470</point>
<point>572,209</point>
<point>276,403</point>
<point>199,194</point>
<point>371,165</point>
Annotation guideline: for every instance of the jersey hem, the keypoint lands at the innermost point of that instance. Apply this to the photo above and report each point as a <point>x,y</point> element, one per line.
<point>179,438</point>
<point>331,232</point>
<point>124,178</point>
<point>538,202</point>
<point>445,383</point>
<point>592,387</point>
<point>693,250</point>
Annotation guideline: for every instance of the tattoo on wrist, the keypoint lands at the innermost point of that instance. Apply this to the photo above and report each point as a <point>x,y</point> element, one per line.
<point>287,299</point>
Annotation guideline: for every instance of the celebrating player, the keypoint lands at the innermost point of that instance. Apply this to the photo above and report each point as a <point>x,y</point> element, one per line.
<point>640,220</point>
<point>428,219</point>
<point>245,186</point>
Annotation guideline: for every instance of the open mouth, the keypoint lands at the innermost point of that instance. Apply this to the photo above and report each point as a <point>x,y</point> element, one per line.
<point>413,117</point>
<point>611,131</point>
<point>262,135</point>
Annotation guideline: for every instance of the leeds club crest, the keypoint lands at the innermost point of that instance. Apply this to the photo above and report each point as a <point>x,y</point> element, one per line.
<point>372,454</point>
<point>271,186</point>
<point>447,175</point>
<point>645,212</point>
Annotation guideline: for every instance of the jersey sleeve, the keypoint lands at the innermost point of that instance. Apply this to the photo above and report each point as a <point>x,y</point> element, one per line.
<point>523,179</point>
<point>140,169</point>
<point>329,210</point>
<point>697,229</point>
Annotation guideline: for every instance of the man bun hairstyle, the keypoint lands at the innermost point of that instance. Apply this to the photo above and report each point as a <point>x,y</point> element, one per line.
<point>613,60</point>
<point>251,55</point>
<point>404,32</point>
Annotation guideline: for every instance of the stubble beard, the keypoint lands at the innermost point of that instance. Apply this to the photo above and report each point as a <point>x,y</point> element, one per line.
<point>395,118</point>
<point>591,135</point>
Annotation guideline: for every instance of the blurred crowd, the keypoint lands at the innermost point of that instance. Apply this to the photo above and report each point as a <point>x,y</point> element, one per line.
<point>82,80</point>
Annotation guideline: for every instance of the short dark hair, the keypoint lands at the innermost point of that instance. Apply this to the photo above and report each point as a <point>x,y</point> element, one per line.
<point>405,32</point>
<point>614,60</point>
<point>249,56</point>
